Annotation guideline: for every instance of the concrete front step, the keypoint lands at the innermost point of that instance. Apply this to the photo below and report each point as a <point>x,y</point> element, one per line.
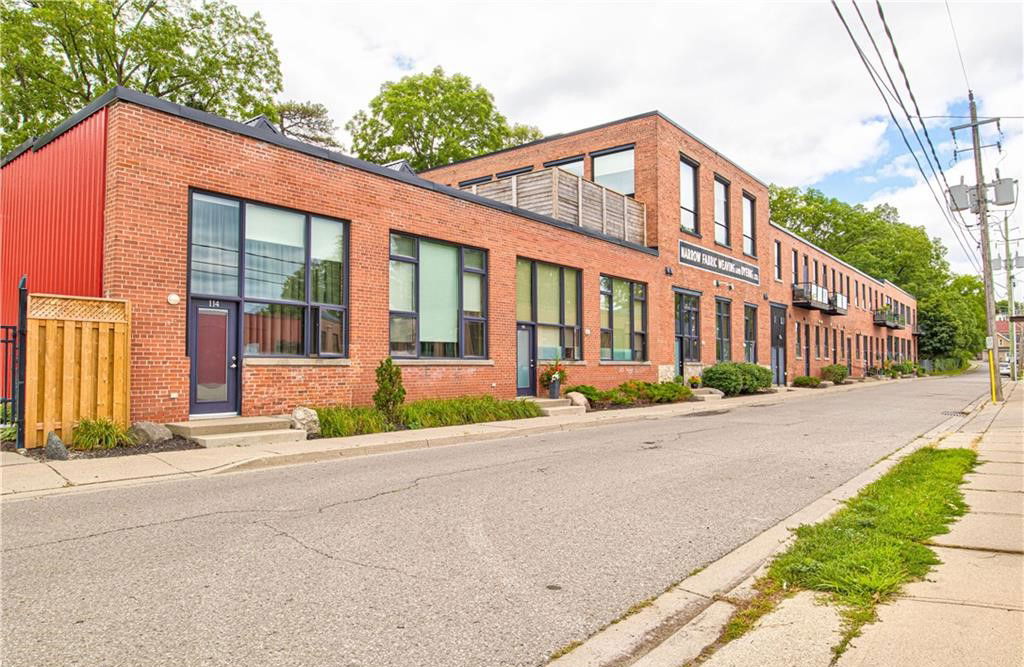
<point>563,410</point>
<point>707,397</point>
<point>550,402</point>
<point>248,438</point>
<point>227,425</point>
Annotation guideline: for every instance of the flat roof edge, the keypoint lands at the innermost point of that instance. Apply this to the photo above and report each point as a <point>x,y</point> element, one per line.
<point>119,93</point>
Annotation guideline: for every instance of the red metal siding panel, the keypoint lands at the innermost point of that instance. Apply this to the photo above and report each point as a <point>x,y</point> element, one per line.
<point>51,203</point>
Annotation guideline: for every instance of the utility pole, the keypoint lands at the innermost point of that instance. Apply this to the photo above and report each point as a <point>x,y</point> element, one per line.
<point>1011,329</point>
<point>986,266</point>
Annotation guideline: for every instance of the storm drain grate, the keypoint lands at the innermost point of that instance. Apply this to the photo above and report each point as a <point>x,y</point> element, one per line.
<point>955,413</point>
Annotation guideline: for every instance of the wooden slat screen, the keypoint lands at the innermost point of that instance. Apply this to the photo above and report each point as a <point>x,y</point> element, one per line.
<point>78,363</point>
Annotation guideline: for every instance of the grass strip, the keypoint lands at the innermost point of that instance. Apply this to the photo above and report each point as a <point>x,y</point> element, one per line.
<point>342,421</point>
<point>863,554</point>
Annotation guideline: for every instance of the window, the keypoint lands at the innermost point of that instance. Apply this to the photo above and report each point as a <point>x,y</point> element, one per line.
<point>796,268</point>
<point>614,169</point>
<point>799,346</point>
<point>778,261</point>
<point>688,195</point>
<point>750,333</point>
<point>721,211</point>
<point>826,342</point>
<point>723,324</point>
<point>438,301</point>
<point>816,280</point>
<point>807,278</point>
<point>623,320</point>
<point>573,164</point>
<point>749,232</point>
<point>817,342</point>
<point>514,172</point>
<point>857,344</point>
<point>547,295</point>
<point>294,294</point>
<point>856,292</point>
<point>688,325</point>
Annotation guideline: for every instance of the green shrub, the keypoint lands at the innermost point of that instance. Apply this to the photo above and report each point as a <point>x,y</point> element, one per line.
<point>8,433</point>
<point>726,377</point>
<point>904,367</point>
<point>431,412</point>
<point>390,393</point>
<point>806,381</point>
<point>340,421</point>
<point>100,434</point>
<point>588,390</point>
<point>668,392</point>
<point>836,373</point>
<point>755,378</point>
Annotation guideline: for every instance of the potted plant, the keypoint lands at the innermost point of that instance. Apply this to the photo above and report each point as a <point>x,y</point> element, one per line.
<point>552,377</point>
<point>694,382</point>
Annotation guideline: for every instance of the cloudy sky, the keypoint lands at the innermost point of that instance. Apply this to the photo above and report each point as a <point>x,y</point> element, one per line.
<point>776,86</point>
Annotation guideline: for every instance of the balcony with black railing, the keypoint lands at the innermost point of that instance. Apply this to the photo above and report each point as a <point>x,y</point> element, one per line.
<point>811,296</point>
<point>915,329</point>
<point>890,319</point>
<point>839,304</point>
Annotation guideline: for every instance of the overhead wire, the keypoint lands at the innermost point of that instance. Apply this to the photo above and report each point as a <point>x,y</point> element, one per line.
<point>876,80</point>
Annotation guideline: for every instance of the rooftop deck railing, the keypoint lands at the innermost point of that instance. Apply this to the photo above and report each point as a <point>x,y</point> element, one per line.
<point>567,197</point>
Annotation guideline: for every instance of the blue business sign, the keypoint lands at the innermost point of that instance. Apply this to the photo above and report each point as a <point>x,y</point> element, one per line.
<point>708,260</point>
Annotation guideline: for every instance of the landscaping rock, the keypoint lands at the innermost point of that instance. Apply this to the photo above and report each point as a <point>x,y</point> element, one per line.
<point>55,448</point>
<point>708,391</point>
<point>306,419</point>
<point>576,398</point>
<point>145,433</point>
<point>824,383</point>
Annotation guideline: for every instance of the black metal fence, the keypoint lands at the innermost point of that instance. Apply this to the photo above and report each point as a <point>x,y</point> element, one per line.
<point>12,368</point>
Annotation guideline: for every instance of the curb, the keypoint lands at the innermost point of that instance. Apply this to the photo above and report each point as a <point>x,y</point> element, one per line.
<point>429,438</point>
<point>692,609</point>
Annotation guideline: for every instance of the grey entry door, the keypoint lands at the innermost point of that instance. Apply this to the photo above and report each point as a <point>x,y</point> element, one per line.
<point>526,361</point>
<point>213,349</point>
<point>778,350</point>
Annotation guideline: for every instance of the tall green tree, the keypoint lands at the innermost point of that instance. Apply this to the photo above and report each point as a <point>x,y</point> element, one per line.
<point>951,308</point>
<point>432,120</point>
<point>56,56</point>
<point>308,122</point>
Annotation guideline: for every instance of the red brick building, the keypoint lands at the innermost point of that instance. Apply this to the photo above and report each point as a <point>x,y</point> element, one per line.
<point>264,273</point>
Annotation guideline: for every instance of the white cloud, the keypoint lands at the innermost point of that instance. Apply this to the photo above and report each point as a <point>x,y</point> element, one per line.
<point>775,86</point>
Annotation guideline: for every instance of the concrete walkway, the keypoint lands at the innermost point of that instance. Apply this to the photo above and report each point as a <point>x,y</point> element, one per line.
<point>26,476</point>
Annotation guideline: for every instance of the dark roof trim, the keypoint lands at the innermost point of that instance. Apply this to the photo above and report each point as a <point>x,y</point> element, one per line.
<point>565,160</point>
<point>601,126</point>
<point>613,149</point>
<point>514,172</point>
<point>119,93</point>
<point>476,181</point>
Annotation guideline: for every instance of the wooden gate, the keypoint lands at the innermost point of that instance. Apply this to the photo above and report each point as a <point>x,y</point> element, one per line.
<point>77,367</point>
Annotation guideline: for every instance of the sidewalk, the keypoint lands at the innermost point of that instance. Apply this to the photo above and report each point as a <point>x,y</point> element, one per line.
<point>969,610</point>
<point>22,476</point>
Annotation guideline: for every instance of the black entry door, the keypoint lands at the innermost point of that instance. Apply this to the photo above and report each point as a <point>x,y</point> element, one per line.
<point>213,349</point>
<point>779,345</point>
<point>526,361</point>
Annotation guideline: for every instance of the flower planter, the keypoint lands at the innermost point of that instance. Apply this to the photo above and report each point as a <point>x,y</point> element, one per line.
<point>555,388</point>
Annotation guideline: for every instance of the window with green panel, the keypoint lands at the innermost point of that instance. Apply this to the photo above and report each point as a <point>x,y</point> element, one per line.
<point>623,320</point>
<point>547,295</point>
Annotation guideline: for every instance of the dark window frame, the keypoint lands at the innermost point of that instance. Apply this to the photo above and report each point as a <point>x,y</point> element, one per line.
<point>514,172</point>
<point>476,181</point>
<point>693,164</point>
<point>534,302</point>
<point>746,198</point>
<point>723,334</point>
<point>594,155</point>
<point>463,319</point>
<point>688,339</point>
<point>777,245</point>
<point>310,331</point>
<point>727,224</point>
<point>749,344</point>
<point>635,354</point>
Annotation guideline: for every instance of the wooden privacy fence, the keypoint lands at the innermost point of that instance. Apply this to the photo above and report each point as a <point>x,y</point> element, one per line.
<point>77,366</point>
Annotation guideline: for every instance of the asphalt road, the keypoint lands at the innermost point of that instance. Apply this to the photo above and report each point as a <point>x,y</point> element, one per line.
<point>490,554</point>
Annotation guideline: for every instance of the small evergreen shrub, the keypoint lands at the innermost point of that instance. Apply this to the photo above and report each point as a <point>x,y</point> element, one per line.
<point>100,434</point>
<point>806,381</point>
<point>390,393</point>
<point>836,373</point>
<point>726,377</point>
<point>341,421</point>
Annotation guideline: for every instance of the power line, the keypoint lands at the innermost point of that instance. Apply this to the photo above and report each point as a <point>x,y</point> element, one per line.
<point>956,41</point>
<point>913,99</point>
<point>878,85</point>
<point>982,117</point>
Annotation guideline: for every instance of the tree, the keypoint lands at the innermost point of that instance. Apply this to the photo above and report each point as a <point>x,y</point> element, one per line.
<point>432,120</point>
<point>308,122</point>
<point>56,57</point>
<point>951,308</point>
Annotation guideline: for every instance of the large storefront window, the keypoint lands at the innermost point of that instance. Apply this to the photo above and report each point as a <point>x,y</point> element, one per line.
<point>438,301</point>
<point>688,325</point>
<point>293,297</point>
<point>623,320</point>
<point>547,295</point>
